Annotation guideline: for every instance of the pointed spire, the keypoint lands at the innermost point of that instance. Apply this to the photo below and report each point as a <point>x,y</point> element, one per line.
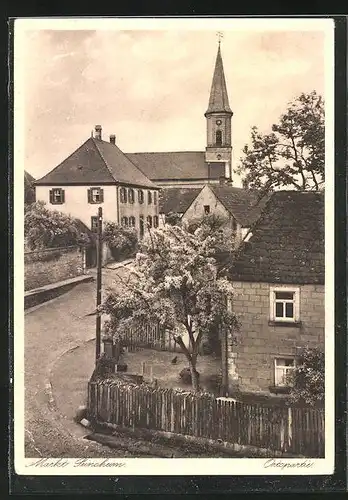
<point>218,101</point>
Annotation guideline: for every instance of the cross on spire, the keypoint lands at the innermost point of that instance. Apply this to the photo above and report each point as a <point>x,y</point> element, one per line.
<point>220,35</point>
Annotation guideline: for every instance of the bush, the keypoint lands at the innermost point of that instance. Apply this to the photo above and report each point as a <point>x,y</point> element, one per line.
<point>173,219</point>
<point>185,376</point>
<point>44,228</point>
<point>122,241</point>
<point>308,378</point>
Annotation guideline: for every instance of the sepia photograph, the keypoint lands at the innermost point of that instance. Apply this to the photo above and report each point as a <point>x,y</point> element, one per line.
<point>174,246</point>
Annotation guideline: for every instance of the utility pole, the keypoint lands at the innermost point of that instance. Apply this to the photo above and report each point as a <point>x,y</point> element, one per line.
<point>99,283</point>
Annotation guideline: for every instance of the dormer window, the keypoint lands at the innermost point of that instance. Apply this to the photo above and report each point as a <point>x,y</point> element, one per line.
<point>95,195</point>
<point>218,138</point>
<point>57,196</point>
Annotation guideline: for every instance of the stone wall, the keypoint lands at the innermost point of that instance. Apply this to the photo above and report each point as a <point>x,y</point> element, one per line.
<point>261,341</point>
<point>52,265</point>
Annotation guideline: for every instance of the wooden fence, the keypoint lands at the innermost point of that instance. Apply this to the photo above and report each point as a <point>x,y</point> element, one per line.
<point>297,431</point>
<point>151,336</point>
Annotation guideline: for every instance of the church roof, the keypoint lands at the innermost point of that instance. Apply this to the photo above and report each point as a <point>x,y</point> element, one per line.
<point>96,162</point>
<point>218,101</point>
<point>176,199</point>
<point>243,204</point>
<point>287,242</point>
<point>182,165</point>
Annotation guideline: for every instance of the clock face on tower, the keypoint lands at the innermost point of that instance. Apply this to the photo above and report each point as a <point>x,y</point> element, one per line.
<point>218,122</point>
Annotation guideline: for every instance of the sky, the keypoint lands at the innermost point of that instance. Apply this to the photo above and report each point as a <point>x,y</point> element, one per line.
<point>151,88</point>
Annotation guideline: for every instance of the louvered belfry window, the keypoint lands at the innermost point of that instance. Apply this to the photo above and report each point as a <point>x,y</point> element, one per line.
<point>95,195</point>
<point>57,196</point>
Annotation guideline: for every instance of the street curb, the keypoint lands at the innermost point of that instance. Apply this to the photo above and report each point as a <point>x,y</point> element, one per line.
<point>48,380</point>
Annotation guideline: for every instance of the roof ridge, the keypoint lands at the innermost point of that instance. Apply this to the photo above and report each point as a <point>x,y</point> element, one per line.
<point>161,152</point>
<point>102,157</point>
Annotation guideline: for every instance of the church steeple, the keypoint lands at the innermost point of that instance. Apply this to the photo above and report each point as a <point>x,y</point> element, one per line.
<point>218,115</point>
<point>218,101</point>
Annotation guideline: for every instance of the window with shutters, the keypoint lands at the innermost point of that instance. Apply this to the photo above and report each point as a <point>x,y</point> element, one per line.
<point>149,197</point>
<point>155,221</point>
<point>57,196</point>
<point>132,221</point>
<point>141,225</point>
<point>95,195</point>
<point>131,195</point>
<point>124,221</point>
<point>123,195</point>
<point>285,304</point>
<point>149,221</point>
<point>140,196</point>
<point>94,223</point>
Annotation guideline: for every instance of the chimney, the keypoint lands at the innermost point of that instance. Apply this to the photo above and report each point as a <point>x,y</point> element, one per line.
<point>98,132</point>
<point>112,139</point>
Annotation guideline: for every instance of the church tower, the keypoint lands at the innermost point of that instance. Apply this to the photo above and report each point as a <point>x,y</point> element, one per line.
<point>218,116</point>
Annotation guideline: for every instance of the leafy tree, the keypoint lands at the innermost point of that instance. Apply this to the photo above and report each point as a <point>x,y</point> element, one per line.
<point>215,226</point>
<point>44,228</point>
<point>121,240</point>
<point>173,219</point>
<point>308,378</point>
<point>174,282</point>
<point>293,154</point>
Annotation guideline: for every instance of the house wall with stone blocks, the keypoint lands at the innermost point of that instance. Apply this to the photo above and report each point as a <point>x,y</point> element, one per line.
<point>252,360</point>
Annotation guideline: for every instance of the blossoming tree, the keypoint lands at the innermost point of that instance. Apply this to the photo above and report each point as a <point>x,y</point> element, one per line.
<point>174,281</point>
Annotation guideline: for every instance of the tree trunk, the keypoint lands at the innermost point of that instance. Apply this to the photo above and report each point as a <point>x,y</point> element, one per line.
<point>194,378</point>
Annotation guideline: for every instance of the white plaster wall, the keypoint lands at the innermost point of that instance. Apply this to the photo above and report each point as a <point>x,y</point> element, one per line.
<point>76,202</point>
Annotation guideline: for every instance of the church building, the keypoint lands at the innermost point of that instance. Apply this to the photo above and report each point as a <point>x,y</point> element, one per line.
<point>187,169</point>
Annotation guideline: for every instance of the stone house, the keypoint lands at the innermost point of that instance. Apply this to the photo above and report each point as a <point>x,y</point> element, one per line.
<point>279,293</point>
<point>240,208</point>
<point>99,174</point>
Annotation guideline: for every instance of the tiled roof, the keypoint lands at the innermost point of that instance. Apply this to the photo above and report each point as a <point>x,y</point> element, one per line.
<point>243,204</point>
<point>96,162</point>
<point>176,165</point>
<point>218,100</point>
<point>287,243</point>
<point>176,199</point>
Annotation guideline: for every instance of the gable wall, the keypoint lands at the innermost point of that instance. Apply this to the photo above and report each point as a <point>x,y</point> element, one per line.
<point>260,342</point>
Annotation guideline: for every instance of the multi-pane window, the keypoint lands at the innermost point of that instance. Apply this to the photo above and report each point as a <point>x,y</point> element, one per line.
<point>123,195</point>
<point>95,195</point>
<point>57,196</point>
<point>124,221</point>
<point>131,195</point>
<point>149,221</point>
<point>140,196</point>
<point>149,197</point>
<point>155,221</point>
<point>132,221</point>
<point>94,223</point>
<point>283,370</point>
<point>284,304</point>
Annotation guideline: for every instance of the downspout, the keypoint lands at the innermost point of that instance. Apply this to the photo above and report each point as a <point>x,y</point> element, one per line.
<point>118,204</point>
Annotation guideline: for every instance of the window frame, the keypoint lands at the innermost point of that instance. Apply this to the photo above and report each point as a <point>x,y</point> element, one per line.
<point>123,194</point>
<point>206,209</point>
<point>124,221</point>
<point>149,221</point>
<point>52,193</point>
<point>131,197</point>
<point>155,220</point>
<point>218,134</point>
<point>131,221</point>
<point>140,196</point>
<point>278,367</point>
<point>99,194</point>
<point>94,218</point>
<point>154,197</point>
<point>149,197</point>
<point>296,304</point>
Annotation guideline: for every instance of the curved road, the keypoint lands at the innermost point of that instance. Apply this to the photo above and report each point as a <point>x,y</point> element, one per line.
<point>50,330</point>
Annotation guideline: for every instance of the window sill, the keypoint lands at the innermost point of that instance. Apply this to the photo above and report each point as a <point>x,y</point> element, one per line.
<point>57,203</point>
<point>293,324</point>
<point>279,389</point>
<point>95,202</point>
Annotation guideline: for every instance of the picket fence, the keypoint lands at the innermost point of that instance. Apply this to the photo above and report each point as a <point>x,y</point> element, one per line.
<point>296,431</point>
